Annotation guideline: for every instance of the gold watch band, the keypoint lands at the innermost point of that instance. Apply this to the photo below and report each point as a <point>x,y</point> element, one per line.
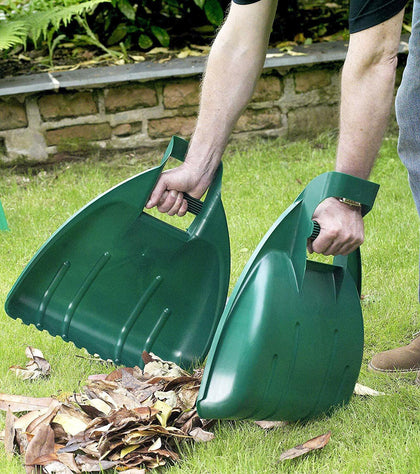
<point>349,202</point>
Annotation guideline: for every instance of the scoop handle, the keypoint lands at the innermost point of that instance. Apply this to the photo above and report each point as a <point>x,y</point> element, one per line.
<point>177,148</point>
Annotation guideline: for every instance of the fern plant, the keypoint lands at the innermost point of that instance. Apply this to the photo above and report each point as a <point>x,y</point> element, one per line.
<point>35,24</point>
<point>12,33</point>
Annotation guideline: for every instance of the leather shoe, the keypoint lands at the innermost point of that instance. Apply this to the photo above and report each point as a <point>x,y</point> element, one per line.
<point>400,359</point>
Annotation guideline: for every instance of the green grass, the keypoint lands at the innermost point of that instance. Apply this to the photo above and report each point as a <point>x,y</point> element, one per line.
<point>371,435</point>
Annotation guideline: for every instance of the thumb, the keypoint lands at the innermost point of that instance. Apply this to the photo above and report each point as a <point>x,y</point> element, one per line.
<point>157,193</point>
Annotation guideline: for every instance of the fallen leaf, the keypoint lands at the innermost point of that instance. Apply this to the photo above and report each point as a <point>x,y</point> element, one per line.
<point>417,381</point>
<point>100,405</point>
<point>169,397</point>
<point>130,419</point>
<point>23,421</point>
<point>193,421</point>
<point>156,445</point>
<point>137,58</point>
<point>71,424</point>
<point>41,444</point>
<point>45,418</point>
<point>36,367</point>
<point>135,471</point>
<point>158,50</point>
<point>366,391</point>
<point>68,460</point>
<point>57,467</point>
<point>201,436</point>
<point>117,374</point>
<point>156,367</point>
<point>129,449</point>
<point>88,464</point>
<point>269,425</point>
<point>186,52</point>
<point>98,377</point>
<point>311,445</point>
<point>164,412</point>
<point>9,433</point>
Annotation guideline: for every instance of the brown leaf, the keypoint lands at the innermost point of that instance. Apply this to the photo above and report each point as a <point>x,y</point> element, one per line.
<point>23,421</point>
<point>38,357</point>
<point>269,425</point>
<point>88,464</point>
<point>184,417</point>
<point>45,418</point>
<point>118,373</point>
<point>41,444</point>
<point>135,471</point>
<point>201,436</point>
<point>187,396</point>
<point>130,382</point>
<point>146,357</point>
<point>72,420</point>
<point>57,467</point>
<point>97,377</point>
<point>310,445</point>
<point>192,422</point>
<point>45,459</point>
<point>19,403</point>
<point>36,367</point>
<point>9,434</point>
<point>68,460</point>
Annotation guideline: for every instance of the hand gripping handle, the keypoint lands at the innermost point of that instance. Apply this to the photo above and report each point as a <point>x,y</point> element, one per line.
<point>333,184</point>
<point>177,148</point>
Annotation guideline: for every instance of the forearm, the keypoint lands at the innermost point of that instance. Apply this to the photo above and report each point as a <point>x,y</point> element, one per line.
<point>366,96</point>
<point>233,68</point>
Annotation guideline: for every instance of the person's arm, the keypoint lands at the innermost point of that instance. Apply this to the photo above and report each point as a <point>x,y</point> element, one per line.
<point>367,88</point>
<point>234,66</point>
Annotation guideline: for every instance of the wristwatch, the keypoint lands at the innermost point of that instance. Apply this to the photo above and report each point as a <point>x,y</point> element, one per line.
<point>349,202</point>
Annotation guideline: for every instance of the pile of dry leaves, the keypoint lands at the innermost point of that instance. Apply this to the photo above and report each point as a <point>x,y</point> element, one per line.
<point>129,420</point>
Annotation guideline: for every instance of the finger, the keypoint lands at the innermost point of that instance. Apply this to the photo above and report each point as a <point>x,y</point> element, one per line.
<point>157,194</point>
<point>183,209</point>
<point>177,205</point>
<point>337,247</point>
<point>309,246</point>
<point>166,204</point>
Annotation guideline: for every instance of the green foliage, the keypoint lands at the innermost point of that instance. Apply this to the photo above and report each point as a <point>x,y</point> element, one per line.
<point>12,33</point>
<point>118,26</point>
<point>143,23</point>
<point>40,20</point>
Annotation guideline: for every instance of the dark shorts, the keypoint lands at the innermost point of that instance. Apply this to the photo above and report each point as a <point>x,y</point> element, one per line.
<point>363,14</point>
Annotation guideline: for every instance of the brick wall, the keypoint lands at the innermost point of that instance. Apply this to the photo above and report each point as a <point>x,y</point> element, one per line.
<point>42,126</point>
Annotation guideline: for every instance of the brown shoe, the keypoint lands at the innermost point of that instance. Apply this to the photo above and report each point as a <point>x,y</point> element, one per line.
<point>400,359</point>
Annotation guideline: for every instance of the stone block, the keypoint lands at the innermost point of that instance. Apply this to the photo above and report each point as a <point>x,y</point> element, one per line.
<point>259,120</point>
<point>181,94</point>
<point>310,121</point>
<point>86,133</point>
<point>130,97</point>
<point>126,129</point>
<point>27,143</point>
<point>268,88</point>
<point>57,106</point>
<point>313,79</point>
<point>166,127</point>
<point>12,114</point>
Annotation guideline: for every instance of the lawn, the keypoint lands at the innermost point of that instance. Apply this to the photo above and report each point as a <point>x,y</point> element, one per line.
<point>376,434</point>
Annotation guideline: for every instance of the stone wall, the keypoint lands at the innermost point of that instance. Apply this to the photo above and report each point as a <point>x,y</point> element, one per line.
<point>40,126</point>
<point>48,125</point>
